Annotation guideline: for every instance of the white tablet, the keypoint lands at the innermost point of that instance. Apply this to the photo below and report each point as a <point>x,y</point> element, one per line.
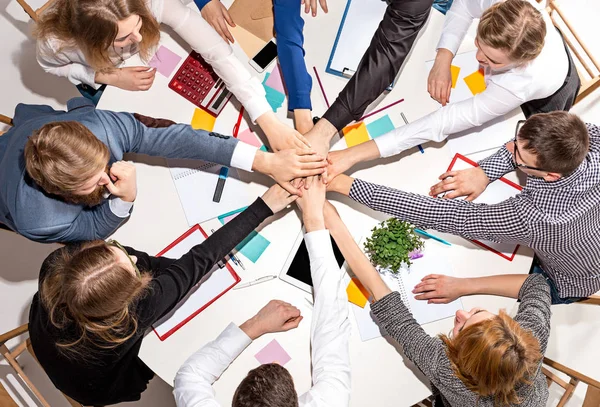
<point>296,269</point>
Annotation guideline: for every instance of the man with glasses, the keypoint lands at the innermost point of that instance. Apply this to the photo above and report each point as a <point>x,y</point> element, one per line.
<point>557,214</point>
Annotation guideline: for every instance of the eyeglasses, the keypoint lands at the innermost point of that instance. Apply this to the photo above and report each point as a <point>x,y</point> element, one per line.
<point>120,246</point>
<point>517,154</point>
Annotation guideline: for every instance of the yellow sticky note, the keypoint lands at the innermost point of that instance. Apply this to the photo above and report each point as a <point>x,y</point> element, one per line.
<point>355,134</point>
<point>203,120</point>
<point>357,293</point>
<point>249,42</point>
<point>475,82</point>
<point>454,71</point>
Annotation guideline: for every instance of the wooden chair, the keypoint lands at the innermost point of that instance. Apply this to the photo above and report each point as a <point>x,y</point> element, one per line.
<point>34,14</point>
<point>5,120</point>
<point>590,79</point>
<point>592,395</point>
<point>11,358</point>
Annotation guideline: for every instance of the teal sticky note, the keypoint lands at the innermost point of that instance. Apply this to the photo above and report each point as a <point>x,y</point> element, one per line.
<point>380,126</point>
<point>264,148</point>
<point>253,246</point>
<point>273,96</point>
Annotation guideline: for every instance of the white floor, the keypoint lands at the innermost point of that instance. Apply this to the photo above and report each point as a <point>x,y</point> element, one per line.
<point>576,328</point>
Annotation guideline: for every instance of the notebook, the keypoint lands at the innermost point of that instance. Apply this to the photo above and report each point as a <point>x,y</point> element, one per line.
<point>496,192</point>
<point>434,261</point>
<point>195,182</point>
<point>216,283</point>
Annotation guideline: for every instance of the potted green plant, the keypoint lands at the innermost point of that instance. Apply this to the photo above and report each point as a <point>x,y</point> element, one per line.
<point>391,244</point>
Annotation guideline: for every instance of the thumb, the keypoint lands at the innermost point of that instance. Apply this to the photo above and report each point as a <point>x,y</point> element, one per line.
<point>291,189</point>
<point>112,188</point>
<point>141,68</point>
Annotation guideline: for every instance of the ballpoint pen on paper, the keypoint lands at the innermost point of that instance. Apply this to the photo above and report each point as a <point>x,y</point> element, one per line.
<point>429,235</point>
<point>406,122</point>
<point>254,282</point>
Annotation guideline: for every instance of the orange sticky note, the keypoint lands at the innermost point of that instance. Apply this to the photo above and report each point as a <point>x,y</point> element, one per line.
<point>475,82</point>
<point>355,134</point>
<point>203,120</point>
<point>357,293</point>
<point>454,71</point>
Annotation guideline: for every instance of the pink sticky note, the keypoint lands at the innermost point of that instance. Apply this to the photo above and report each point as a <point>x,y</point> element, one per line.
<point>275,80</point>
<point>164,61</point>
<point>248,137</point>
<point>226,219</point>
<point>273,353</point>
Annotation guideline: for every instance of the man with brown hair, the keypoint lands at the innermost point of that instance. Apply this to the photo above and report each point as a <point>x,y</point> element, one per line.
<point>557,213</point>
<point>63,178</point>
<point>272,385</point>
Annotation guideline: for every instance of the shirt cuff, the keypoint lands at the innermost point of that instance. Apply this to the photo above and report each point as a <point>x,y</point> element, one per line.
<point>386,144</point>
<point>243,156</point>
<point>201,3</point>
<point>318,243</point>
<point>233,341</point>
<point>449,42</point>
<point>362,191</point>
<point>120,207</point>
<point>257,106</point>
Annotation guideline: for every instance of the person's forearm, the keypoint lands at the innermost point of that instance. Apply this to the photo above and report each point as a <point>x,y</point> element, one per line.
<point>303,120</point>
<point>363,152</point>
<point>358,262</point>
<point>267,122</point>
<point>107,78</point>
<point>444,56</point>
<point>341,184</point>
<point>506,285</point>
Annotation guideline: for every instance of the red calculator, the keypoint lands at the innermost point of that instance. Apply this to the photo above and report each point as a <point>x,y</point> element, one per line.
<point>197,82</point>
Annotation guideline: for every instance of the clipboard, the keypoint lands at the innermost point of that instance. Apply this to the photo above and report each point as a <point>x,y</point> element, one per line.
<point>500,188</point>
<point>197,300</point>
<point>351,43</point>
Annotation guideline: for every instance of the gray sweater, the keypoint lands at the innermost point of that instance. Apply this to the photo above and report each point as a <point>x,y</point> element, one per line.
<point>429,353</point>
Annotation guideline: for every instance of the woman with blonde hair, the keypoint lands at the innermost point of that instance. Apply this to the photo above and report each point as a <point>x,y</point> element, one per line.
<point>525,62</point>
<point>488,360</point>
<point>97,299</point>
<point>88,40</point>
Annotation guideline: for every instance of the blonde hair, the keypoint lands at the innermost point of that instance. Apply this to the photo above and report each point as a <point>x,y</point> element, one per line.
<point>493,357</point>
<point>87,287</point>
<point>514,26</point>
<point>92,26</point>
<point>62,156</point>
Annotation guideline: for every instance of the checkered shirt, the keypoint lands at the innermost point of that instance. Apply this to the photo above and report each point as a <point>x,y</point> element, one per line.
<point>559,220</point>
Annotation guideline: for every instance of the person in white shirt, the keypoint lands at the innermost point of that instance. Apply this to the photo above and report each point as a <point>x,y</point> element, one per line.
<point>525,63</point>
<point>271,385</point>
<point>88,40</point>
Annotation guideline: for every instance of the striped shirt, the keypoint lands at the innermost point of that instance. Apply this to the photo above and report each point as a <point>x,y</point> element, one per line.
<point>559,220</point>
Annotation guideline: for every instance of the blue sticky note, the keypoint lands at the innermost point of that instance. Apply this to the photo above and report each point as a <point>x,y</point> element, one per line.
<point>273,96</point>
<point>264,148</point>
<point>253,246</point>
<point>380,126</point>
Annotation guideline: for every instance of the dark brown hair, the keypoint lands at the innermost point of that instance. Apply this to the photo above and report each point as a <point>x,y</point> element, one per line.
<point>62,156</point>
<point>86,286</point>
<point>92,26</point>
<point>559,140</point>
<point>493,357</point>
<point>514,26</point>
<point>269,385</point>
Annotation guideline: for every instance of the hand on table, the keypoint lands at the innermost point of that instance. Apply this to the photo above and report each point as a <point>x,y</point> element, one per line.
<point>276,316</point>
<point>278,198</point>
<point>134,78</point>
<point>439,289</point>
<point>283,137</point>
<point>312,5</point>
<point>470,183</point>
<point>218,17</point>
<point>123,181</point>
<point>439,82</point>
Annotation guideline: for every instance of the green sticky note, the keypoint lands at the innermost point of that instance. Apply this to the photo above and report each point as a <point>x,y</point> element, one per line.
<point>380,126</point>
<point>253,246</point>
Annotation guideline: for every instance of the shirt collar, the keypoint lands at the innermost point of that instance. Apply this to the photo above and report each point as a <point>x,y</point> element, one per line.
<point>540,183</point>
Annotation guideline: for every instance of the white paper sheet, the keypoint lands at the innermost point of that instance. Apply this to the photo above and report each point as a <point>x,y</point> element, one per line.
<point>361,22</point>
<point>496,192</point>
<point>196,181</point>
<point>214,283</point>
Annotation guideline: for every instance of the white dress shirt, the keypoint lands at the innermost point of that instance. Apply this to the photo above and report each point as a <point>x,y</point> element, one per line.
<point>506,89</point>
<point>63,59</point>
<point>330,333</point>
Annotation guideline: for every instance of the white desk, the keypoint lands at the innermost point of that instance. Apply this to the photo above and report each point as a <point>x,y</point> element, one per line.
<point>381,376</point>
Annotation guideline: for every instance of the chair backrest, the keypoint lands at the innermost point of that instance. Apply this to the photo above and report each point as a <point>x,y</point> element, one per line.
<point>590,76</point>
<point>11,357</point>
<point>34,14</point>
<point>592,395</point>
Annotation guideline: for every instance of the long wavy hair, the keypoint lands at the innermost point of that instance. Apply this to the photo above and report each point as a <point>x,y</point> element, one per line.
<point>92,26</point>
<point>494,357</point>
<point>87,288</point>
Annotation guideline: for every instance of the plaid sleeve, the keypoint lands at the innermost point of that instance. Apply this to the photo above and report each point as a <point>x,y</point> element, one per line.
<point>506,221</point>
<point>498,164</point>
